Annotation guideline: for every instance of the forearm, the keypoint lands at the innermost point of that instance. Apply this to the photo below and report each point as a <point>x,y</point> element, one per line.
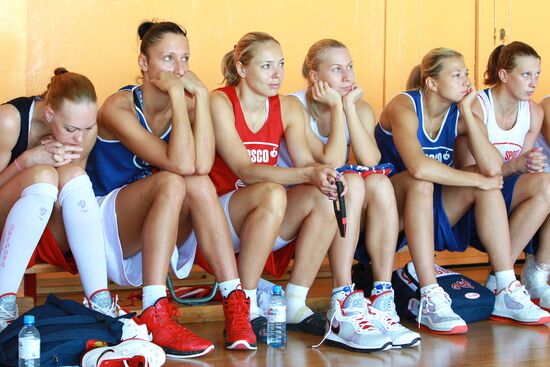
<point>11,171</point>
<point>181,147</point>
<point>203,134</point>
<point>364,146</point>
<point>257,173</point>
<point>439,173</point>
<point>336,148</point>
<point>486,155</point>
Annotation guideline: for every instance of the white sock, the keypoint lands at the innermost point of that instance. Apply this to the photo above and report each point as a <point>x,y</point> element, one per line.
<point>425,290</point>
<point>84,232</point>
<point>151,294</point>
<point>229,286</point>
<point>255,311</point>
<point>504,278</point>
<point>341,292</point>
<point>296,309</point>
<point>23,228</point>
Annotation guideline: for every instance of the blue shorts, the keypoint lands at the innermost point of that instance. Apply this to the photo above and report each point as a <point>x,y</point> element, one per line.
<point>448,238</point>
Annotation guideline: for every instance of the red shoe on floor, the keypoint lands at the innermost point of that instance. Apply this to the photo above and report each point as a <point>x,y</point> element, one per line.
<point>177,341</point>
<point>238,333</point>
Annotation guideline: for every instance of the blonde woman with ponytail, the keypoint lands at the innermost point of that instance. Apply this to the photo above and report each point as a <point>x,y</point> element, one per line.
<point>417,133</point>
<point>250,118</point>
<point>340,122</point>
<point>48,209</point>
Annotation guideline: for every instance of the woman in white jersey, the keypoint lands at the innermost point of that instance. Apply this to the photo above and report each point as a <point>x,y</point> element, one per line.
<point>513,123</point>
<point>338,118</point>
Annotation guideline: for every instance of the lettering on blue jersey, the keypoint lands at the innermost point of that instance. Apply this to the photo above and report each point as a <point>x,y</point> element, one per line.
<point>441,154</point>
<point>140,163</point>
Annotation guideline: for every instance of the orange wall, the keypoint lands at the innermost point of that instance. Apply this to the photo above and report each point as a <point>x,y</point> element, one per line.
<point>386,38</point>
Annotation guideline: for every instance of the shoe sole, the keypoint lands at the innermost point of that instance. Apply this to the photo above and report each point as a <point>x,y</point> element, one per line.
<point>413,343</point>
<point>509,320</point>
<point>342,344</point>
<point>455,330</point>
<point>240,345</point>
<point>171,355</point>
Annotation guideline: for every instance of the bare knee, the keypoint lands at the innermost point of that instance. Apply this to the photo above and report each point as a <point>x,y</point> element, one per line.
<point>200,188</point>
<point>273,199</point>
<point>420,187</point>
<point>355,188</point>
<point>543,188</point>
<point>68,172</point>
<point>378,188</point>
<point>170,186</point>
<point>42,174</point>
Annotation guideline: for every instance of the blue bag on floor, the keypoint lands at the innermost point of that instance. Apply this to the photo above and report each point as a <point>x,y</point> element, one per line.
<point>67,329</point>
<point>470,300</point>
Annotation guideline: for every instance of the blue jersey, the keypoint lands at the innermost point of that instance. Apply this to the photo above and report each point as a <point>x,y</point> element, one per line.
<point>112,165</point>
<point>441,148</point>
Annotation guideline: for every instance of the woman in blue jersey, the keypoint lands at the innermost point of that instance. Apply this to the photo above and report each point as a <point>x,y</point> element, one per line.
<point>513,124</point>
<point>46,198</point>
<point>417,132</point>
<point>154,220</point>
<point>339,118</point>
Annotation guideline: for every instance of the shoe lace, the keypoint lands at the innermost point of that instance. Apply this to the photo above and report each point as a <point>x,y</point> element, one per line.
<point>8,314</point>
<point>237,308</point>
<point>109,311</point>
<point>432,297</point>
<point>166,322</point>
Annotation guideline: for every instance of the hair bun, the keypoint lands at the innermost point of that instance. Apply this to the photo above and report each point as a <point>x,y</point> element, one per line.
<point>144,27</point>
<point>60,70</point>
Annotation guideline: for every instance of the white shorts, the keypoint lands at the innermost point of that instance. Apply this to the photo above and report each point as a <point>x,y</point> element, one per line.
<point>224,201</point>
<point>128,272</point>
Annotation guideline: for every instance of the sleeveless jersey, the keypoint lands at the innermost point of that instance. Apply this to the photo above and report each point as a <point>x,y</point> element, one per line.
<point>441,148</point>
<point>262,146</point>
<point>508,142</point>
<point>112,165</point>
<point>541,142</point>
<point>25,107</point>
<point>284,157</point>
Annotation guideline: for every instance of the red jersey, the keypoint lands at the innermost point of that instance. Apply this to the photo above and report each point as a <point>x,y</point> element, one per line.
<point>262,146</point>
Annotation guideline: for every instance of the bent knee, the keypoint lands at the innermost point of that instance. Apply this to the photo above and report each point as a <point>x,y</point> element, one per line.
<point>42,174</point>
<point>420,187</point>
<point>169,184</point>
<point>273,198</point>
<point>68,172</point>
<point>378,186</point>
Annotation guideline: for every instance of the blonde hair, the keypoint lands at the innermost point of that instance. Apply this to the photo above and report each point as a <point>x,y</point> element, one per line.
<point>65,85</point>
<point>313,59</point>
<point>242,52</point>
<point>433,62</point>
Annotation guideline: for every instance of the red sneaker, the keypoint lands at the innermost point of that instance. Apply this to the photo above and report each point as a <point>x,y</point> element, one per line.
<point>238,333</point>
<point>177,341</point>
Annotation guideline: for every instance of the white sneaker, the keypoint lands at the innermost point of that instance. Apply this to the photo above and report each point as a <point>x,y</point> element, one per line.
<point>129,353</point>
<point>109,311</point>
<point>400,336</point>
<point>349,328</point>
<point>491,283</point>
<point>8,310</point>
<point>513,303</point>
<point>535,281</point>
<point>385,302</point>
<point>435,313</point>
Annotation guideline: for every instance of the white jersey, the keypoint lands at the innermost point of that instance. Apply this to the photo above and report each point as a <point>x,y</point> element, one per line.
<point>284,158</point>
<point>508,142</point>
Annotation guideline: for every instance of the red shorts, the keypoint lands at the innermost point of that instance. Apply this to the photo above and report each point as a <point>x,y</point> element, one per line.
<point>276,264</point>
<point>49,252</point>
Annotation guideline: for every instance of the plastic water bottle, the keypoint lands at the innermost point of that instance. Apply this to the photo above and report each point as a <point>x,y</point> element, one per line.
<point>29,343</point>
<point>276,319</point>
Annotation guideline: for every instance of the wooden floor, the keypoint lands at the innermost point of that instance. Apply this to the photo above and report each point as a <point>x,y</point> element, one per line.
<point>486,344</point>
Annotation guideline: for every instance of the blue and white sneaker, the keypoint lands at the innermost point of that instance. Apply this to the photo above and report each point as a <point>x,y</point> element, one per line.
<point>383,311</point>
<point>349,327</point>
<point>513,303</point>
<point>436,315</point>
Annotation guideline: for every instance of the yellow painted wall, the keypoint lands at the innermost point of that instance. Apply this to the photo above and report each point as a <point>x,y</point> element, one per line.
<point>386,37</point>
<point>13,48</point>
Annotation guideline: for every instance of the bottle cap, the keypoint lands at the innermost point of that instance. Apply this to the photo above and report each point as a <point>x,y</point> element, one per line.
<point>277,289</point>
<point>28,320</point>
